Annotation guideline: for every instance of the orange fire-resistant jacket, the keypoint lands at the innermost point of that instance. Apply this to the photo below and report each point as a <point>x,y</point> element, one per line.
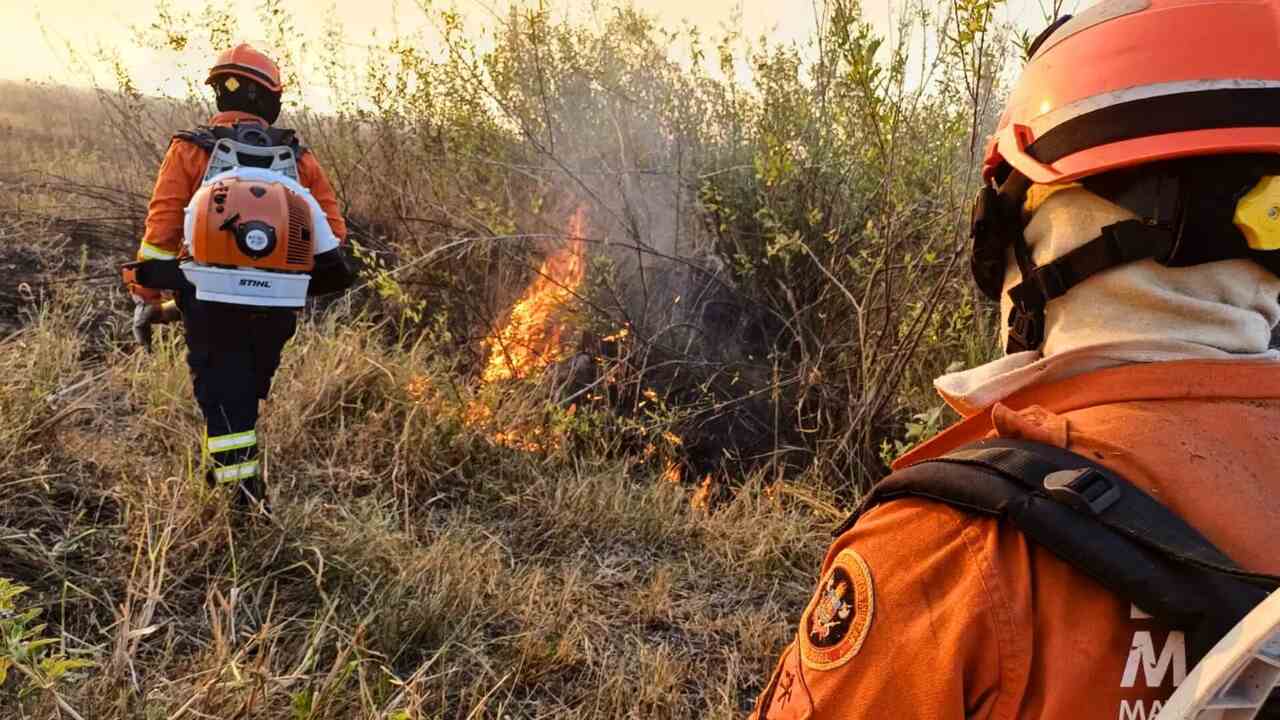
<point>180,175</point>
<point>924,611</point>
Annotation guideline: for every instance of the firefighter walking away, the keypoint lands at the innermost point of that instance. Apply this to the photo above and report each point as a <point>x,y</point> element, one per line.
<point>243,226</point>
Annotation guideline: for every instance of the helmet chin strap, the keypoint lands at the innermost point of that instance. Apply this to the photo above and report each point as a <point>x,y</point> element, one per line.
<point>1189,212</point>
<point>1119,244</point>
<point>1026,321</point>
<point>1154,197</point>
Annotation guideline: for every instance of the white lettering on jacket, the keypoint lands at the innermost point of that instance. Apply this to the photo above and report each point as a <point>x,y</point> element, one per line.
<point>1139,710</point>
<point>1156,668</point>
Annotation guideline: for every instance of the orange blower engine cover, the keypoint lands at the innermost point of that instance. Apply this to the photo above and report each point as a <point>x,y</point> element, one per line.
<point>252,224</point>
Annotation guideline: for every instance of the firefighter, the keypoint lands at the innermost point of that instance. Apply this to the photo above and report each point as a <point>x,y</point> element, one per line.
<point>233,350</point>
<point>1129,225</point>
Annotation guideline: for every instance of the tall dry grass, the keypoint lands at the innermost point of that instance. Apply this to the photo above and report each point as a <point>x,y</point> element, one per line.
<point>411,567</point>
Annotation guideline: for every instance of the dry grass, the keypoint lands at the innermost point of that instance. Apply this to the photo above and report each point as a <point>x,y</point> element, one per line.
<point>413,569</point>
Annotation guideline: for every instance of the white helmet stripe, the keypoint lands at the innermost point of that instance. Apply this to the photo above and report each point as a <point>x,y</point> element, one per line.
<point>1052,119</point>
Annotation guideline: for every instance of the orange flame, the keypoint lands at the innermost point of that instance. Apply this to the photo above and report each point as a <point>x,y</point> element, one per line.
<point>531,339</point>
<point>701,499</point>
<point>672,474</point>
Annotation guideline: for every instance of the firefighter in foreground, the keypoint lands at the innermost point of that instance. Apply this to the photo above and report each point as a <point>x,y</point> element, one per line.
<point>242,226</point>
<point>1107,507</point>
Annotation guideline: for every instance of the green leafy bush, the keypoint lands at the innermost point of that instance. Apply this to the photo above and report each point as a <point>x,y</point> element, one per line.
<point>33,660</point>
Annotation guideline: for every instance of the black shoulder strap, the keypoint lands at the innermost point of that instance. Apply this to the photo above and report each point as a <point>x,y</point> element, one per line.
<point>202,136</point>
<point>1098,523</point>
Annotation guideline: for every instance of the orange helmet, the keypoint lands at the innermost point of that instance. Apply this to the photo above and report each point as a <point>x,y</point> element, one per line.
<point>1129,82</point>
<point>244,61</point>
<point>1168,108</point>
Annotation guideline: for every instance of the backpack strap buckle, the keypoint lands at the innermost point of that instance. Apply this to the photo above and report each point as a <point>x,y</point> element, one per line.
<point>1087,490</point>
<point>1026,329</point>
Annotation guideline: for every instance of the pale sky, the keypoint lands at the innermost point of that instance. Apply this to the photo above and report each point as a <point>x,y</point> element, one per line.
<point>34,35</point>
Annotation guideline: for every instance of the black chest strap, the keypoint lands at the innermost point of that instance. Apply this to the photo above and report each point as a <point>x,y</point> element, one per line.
<point>1098,523</point>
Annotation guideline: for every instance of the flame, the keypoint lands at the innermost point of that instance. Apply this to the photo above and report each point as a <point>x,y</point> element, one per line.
<point>420,389</point>
<point>531,339</point>
<point>672,474</point>
<point>701,499</point>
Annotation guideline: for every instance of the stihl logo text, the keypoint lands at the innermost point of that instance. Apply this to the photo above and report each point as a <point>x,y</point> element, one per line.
<point>246,282</point>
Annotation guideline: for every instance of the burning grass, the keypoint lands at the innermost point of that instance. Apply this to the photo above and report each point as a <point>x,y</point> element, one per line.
<point>533,336</point>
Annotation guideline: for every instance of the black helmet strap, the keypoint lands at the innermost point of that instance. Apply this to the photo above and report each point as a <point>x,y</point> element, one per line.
<point>1119,244</point>
<point>1177,204</point>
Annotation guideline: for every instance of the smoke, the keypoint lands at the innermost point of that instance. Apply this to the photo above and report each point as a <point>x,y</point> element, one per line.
<point>694,337</point>
<point>621,131</point>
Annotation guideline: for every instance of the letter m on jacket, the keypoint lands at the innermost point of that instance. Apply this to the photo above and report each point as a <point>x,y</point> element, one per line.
<point>1155,668</point>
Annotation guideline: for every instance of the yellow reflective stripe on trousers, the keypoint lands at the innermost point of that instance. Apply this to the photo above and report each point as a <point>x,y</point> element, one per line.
<point>151,252</point>
<point>231,473</point>
<point>234,441</point>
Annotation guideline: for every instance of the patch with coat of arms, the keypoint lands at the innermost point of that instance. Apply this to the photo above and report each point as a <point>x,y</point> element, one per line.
<point>836,623</point>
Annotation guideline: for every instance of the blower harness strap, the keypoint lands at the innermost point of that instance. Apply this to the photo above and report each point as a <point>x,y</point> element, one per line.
<point>1097,522</point>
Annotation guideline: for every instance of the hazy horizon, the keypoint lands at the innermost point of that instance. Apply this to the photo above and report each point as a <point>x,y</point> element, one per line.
<point>35,41</point>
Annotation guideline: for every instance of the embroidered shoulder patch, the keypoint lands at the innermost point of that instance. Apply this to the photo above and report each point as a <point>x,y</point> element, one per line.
<point>836,623</point>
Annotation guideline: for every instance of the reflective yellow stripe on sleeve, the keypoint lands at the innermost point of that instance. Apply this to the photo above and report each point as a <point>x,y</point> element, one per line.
<point>234,441</point>
<point>151,252</point>
<point>232,473</point>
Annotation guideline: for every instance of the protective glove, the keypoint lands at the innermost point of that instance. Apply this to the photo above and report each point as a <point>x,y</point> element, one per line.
<point>146,315</point>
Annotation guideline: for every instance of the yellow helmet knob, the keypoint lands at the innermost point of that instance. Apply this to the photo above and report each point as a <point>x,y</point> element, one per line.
<point>1258,214</point>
